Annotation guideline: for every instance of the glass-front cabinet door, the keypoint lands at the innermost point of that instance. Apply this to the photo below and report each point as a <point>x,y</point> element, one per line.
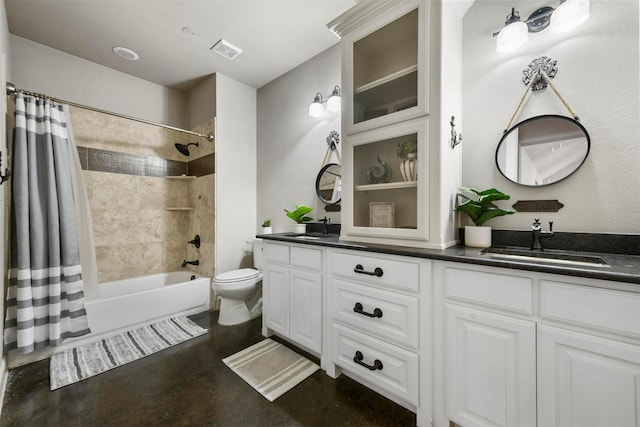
<point>385,82</point>
<point>387,184</point>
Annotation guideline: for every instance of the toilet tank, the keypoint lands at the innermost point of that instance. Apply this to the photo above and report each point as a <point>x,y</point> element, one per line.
<point>258,254</point>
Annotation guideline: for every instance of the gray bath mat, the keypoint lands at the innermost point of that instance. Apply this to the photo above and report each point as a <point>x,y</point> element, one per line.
<point>91,359</point>
<point>271,368</point>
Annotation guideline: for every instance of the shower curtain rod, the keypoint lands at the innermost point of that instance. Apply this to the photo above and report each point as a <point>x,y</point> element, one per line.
<point>12,90</point>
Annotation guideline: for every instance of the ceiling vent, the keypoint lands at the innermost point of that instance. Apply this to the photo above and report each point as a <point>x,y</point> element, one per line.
<point>226,49</point>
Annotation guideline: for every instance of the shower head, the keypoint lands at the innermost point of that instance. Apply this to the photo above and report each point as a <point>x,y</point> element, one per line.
<point>184,148</point>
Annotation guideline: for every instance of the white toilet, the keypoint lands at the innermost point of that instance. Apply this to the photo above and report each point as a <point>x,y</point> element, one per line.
<point>240,291</point>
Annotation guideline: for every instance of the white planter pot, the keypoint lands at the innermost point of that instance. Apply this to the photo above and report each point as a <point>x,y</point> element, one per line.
<point>300,228</point>
<point>267,230</point>
<point>477,237</point>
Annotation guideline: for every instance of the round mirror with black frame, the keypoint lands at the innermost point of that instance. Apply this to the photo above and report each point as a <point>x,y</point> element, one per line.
<point>542,150</point>
<point>329,184</point>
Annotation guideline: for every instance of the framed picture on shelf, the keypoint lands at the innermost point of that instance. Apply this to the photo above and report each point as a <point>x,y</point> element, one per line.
<point>381,214</point>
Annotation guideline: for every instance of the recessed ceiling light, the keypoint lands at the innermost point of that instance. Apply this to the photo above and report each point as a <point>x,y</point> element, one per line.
<point>226,49</point>
<point>125,53</point>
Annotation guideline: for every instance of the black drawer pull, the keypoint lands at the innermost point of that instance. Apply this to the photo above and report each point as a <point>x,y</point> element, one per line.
<point>360,270</point>
<point>358,309</point>
<point>376,363</point>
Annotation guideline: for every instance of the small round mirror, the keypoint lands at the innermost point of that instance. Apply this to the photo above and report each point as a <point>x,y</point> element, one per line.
<point>329,184</point>
<point>542,150</point>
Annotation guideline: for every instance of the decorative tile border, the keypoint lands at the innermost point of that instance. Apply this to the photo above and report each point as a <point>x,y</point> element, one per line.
<point>93,159</point>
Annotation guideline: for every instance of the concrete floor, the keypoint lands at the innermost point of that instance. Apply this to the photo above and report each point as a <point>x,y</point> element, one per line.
<point>188,385</point>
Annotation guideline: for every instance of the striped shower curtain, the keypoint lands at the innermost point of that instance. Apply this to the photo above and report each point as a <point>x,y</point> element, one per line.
<point>45,299</point>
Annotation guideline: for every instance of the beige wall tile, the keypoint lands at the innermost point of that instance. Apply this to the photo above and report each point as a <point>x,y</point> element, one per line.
<point>134,232</point>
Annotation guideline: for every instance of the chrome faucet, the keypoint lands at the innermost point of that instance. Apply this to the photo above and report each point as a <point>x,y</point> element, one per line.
<point>185,262</point>
<point>539,234</point>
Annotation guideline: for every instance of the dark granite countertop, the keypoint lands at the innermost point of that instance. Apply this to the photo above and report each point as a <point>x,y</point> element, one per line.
<point>622,268</point>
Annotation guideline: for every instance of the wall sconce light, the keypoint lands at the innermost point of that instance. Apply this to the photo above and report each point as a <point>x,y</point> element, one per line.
<point>316,109</point>
<point>568,15</point>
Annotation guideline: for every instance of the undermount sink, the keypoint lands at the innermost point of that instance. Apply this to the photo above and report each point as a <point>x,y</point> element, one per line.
<point>545,257</point>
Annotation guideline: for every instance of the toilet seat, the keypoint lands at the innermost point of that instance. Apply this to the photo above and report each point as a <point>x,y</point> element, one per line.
<point>235,276</point>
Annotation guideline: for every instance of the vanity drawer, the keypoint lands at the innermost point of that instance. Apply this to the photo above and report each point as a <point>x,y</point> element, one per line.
<point>503,291</point>
<point>389,315</point>
<point>276,253</point>
<point>306,258</point>
<point>393,272</point>
<point>610,310</point>
<point>399,371</point>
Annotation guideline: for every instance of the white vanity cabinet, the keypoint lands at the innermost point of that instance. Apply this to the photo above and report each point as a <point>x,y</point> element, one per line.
<point>525,349</point>
<point>490,355</point>
<point>292,294</point>
<point>588,356</point>
<point>378,320</point>
<point>397,56</point>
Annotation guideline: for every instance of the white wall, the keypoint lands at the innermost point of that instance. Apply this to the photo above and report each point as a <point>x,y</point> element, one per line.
<point>598,75</point>
<point>291,144</point>
<point>235,172</point>
<point>52,72</point>
<point>202,102</point>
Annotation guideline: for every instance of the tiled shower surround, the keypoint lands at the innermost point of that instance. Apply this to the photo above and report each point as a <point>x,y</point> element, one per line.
<point>139,224</point>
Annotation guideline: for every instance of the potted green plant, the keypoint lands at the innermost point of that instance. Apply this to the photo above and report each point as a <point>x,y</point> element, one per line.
<point>266,226</point>
<point>299,216</point>
<point>479,207</point>
<point>407,151</point>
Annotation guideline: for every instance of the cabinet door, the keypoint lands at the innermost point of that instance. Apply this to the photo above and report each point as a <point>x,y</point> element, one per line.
<point>384,68</point>
<point>305,310</point>
<point>587,381</point>
<point>380,201</point>
<point>275,298</point>
<point>491,369</point>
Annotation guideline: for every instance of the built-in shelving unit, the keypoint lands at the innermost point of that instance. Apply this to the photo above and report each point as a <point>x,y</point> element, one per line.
<point>393,123</point>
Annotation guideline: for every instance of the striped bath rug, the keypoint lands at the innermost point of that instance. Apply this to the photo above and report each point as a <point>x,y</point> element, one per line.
<point>94,358</point>
<point>271,368</point>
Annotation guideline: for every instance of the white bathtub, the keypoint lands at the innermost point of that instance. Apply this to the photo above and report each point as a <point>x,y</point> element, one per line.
<point>125,304</point>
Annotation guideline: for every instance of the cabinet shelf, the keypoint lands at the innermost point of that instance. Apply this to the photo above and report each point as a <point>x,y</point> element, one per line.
<point>386,79</point>
<point>386,186</point>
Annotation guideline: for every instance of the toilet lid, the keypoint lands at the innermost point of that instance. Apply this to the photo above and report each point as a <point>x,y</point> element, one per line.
<point>238,275</point>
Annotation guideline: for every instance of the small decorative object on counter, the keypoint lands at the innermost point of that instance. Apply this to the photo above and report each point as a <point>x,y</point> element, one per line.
<point>408,152</point>
<point>299,215</point>
<point>266,226</point>
<point>479,207</point>
<point>376,174</point>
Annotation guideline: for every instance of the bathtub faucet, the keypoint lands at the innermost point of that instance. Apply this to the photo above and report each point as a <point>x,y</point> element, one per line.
<point>185,262</point>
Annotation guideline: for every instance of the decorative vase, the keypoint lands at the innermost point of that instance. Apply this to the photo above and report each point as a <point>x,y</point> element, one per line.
<point>408,167</point>
<point>477,237</point>
<point>300,228</point>
<point>267,230</point>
